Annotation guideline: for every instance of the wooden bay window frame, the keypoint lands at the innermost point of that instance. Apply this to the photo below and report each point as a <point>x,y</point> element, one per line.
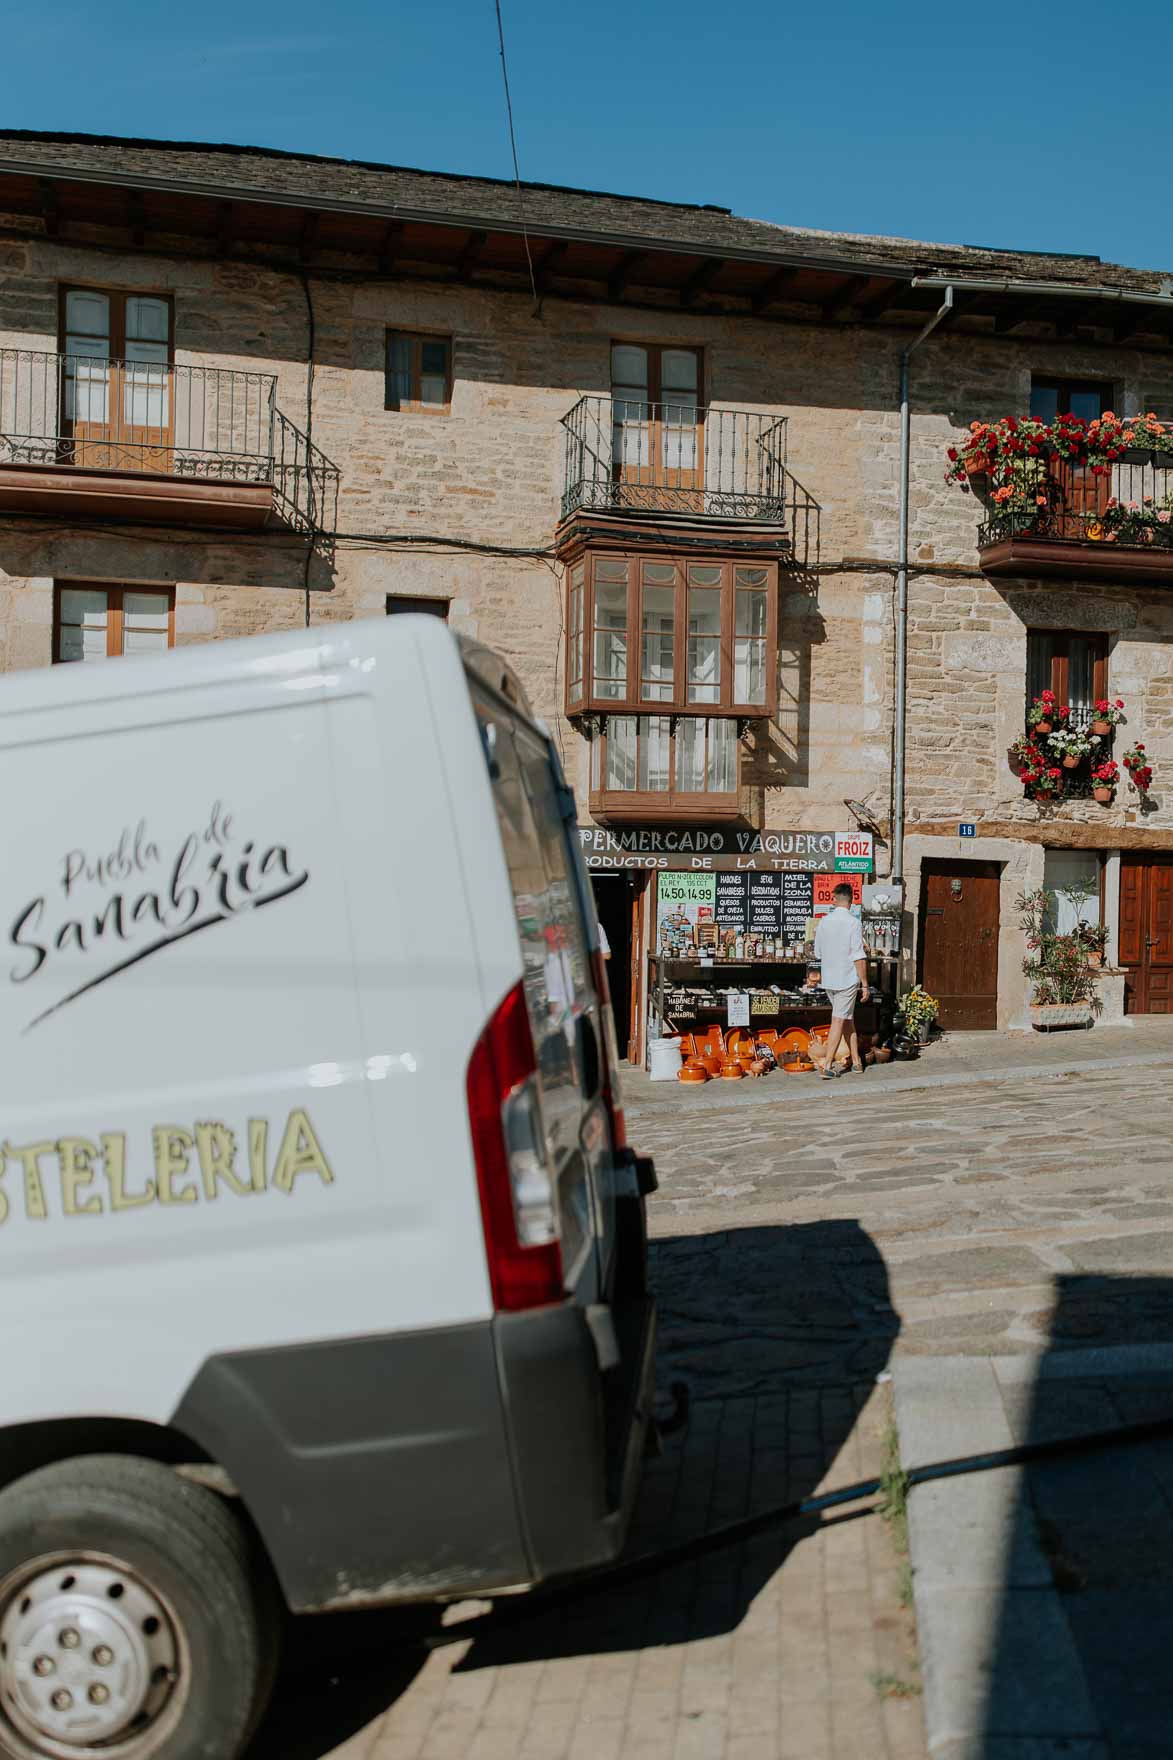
<point>719,657</point>
<point>648,767</point>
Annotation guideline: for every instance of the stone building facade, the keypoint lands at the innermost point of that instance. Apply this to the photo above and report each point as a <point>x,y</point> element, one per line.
<point>301,273</point>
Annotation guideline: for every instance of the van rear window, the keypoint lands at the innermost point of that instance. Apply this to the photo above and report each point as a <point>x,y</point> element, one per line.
<point>545,897</point>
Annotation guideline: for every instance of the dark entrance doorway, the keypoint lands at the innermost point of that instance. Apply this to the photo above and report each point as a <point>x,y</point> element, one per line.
<point>959,941</point>
<point>613,899</point>
<point>1146,933</point>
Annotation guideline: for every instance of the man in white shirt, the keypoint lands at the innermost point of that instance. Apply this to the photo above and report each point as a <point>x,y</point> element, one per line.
<point>844,972</point>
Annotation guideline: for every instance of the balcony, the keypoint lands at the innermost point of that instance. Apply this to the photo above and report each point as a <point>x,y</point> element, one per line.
<point>1115,525</point>
<point>680,463</point>
<point>90,437</point>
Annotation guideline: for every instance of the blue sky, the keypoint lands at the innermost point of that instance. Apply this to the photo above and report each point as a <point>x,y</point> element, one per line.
<point>1030,125</point>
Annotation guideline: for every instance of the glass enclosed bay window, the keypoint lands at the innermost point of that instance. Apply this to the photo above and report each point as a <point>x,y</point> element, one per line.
<point>695,636</point>
<point>664,766</point>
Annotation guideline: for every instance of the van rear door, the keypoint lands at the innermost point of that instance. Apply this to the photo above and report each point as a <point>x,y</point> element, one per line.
<point>563,1005</point>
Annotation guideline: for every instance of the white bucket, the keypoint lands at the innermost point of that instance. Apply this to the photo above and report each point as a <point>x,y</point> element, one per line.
<point>665,1059</point>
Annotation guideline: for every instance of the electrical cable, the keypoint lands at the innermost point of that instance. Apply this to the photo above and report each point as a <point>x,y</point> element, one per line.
<point>516,167</point>
<point>514,1610</point>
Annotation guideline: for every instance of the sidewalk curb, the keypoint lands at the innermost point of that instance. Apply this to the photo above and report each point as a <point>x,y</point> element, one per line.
<point>989,1617</point>
<point>847,1088</point>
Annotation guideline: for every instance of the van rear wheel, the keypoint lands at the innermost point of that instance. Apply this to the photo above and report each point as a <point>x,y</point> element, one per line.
<point>130,1627</point>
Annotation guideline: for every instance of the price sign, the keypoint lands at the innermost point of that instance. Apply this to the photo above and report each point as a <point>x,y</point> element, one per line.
<point>683,901</point>
<point>738,1012</point>
<point>824,886</point>
<point>765,904</point>
<point>798,894</point>
<point>732,909</point>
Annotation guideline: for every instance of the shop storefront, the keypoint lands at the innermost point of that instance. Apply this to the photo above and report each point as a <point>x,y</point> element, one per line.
<point>717,926</point>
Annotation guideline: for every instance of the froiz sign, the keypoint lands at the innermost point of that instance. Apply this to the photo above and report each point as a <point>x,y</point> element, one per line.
<point>142,896</point>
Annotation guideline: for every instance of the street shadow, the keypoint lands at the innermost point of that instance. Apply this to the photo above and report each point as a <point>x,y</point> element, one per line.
<point>1080,1654</point>
<point>778,1334</point>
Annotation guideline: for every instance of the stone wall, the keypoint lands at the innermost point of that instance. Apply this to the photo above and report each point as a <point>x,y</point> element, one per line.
<point>489,473</point>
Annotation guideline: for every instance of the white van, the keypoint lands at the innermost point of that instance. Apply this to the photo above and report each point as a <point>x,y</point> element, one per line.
<point>323,1256</point>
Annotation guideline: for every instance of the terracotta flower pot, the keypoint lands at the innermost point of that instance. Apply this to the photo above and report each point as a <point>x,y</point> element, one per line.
<point>1043,727</point>
<point>1103,794</point>
<point>1070,760</point>
<point>1103,728</point>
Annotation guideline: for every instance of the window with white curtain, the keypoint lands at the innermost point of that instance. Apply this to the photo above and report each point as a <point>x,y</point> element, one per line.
<point>96,622</point>
<point>1068,872</point>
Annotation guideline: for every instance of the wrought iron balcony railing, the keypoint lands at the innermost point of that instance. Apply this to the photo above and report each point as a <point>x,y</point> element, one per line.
<point>623,455</point>
<point>122,417</point>
<point>1124,507</point>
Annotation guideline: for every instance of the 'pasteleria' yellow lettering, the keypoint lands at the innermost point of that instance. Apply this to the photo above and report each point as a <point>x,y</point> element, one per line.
<point>107,1177</point>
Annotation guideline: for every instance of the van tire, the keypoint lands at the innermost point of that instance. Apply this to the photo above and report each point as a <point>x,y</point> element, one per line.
<point>142,1535</point>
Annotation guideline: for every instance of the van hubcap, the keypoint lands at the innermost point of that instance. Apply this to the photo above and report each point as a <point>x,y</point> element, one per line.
<point>88,1653</point>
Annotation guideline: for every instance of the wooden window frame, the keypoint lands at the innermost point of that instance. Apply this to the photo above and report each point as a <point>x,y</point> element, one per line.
<point>1065,385</point>
<point>655,353</point>
<point>118,297</point>
<point>114,617</point>
<point>589,702</point>
<point>1061,663</point>
<point>415,405</point>
<point>618,806</point>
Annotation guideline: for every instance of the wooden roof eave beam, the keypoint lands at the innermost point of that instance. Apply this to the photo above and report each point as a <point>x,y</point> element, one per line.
<point>624,273</point>
<point>50,207</point>
<point>470,256</point>
<point>772,289</point>
<point>700,279</point>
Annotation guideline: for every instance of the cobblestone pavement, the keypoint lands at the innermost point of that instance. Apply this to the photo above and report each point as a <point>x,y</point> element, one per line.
<point>799,1244</point>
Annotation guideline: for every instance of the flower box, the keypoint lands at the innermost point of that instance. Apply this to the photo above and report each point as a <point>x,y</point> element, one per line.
<point>1045,1015</point>
<point>1135,455</point>
<point>1163,461</point>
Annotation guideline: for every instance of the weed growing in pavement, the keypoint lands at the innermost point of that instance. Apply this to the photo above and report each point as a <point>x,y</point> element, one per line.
<point>893,1507</point>
<point>890,1686</point>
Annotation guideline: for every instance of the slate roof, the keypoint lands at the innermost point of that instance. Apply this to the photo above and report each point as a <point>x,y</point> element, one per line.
<point>260,173</point>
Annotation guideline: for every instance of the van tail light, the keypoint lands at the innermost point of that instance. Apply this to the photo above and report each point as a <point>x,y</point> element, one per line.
<point>612,1093</point>
<point>519,1205</point>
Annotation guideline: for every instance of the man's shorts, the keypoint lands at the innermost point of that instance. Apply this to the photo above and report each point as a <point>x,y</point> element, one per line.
<point>843,1003</point>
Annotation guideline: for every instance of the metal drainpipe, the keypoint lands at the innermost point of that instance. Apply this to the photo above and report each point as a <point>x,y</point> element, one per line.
<point>902,597</point>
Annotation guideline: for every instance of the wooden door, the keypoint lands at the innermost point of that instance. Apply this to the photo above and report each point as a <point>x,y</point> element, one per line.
<point>117,388</point>
<point>959,941</point>
<point>658,431</point>
<point>1146,934</point>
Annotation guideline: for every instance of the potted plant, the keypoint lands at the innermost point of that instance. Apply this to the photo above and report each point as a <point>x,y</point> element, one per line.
<point>1107,714</point>
<point>1045,713</point>
<point>920,1011</point>
<point>1105,776</point>
<point>1064,988</point>
<point>1070,746</point>
<point>1024,755</point>
<point>1093,938</point>
<point>1140,771</point>
<point>1045,784</point>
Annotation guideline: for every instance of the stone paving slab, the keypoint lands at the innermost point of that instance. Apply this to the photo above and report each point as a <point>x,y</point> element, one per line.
<point>1043,1592</point>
